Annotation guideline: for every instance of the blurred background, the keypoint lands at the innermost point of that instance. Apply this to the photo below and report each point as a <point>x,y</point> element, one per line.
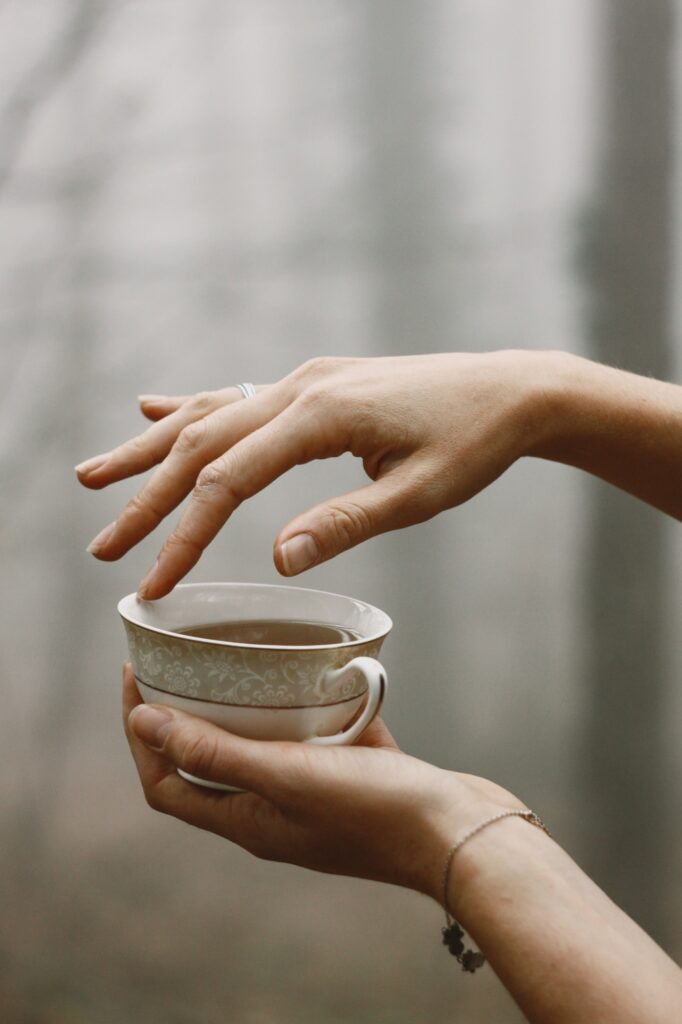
<point>200,192</point>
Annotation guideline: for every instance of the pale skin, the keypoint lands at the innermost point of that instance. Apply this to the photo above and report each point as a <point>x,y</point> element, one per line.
<point>563,950</point>
<point>432,431</point>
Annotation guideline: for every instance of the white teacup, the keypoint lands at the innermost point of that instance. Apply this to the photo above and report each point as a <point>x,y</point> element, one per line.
<point>260,691</point>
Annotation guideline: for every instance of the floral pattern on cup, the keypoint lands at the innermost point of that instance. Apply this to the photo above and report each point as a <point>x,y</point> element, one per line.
<point>245,676</point>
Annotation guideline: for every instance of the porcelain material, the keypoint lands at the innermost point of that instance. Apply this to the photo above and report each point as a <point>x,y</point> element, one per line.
<point>259,691</point>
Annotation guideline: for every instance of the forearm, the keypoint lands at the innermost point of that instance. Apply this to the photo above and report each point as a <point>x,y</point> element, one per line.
<point>564,951</point>
<point>618,426</point>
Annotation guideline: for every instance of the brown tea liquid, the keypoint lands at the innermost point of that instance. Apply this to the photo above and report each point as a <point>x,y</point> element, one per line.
<point>274,632</point>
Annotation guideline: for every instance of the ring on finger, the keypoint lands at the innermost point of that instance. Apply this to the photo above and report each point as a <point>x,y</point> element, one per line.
<point>248,390</point>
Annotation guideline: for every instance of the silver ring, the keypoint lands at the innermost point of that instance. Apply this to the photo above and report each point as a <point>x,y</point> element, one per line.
<point>248,390</point>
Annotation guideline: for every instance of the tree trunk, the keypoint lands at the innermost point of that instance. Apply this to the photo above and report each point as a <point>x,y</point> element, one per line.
<point>406,208</point>
<point>628,265</point>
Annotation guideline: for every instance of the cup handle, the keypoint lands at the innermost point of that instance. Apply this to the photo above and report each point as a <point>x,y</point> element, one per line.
<point>374,673</point>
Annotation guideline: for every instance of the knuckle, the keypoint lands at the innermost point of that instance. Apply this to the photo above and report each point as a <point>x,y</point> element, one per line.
<point>211,478</point>
<point>316,396</point>
<point>219,478</point>
<point>183,540</point>
<point>311,368</point>
<point>154,798</point>
<point>203,401</point>
<point>198,753</point>
<point>142,508</point>
<point>347,521</point>
<point>308,401</point>
<point>191,437</point>
<point>138,445</point>
<point>319,366</point>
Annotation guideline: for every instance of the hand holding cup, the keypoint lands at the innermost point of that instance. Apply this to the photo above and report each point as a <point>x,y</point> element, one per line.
<point>326,692</point>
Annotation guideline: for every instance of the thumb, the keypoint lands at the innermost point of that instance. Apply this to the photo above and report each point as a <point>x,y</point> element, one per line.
<point>208,751</point>
<point>392,502</point>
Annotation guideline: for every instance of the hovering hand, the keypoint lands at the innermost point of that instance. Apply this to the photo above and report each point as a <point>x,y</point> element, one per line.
<point>431,431</point>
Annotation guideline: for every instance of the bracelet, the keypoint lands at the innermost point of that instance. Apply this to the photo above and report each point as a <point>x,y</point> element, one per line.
<point>472,959</point>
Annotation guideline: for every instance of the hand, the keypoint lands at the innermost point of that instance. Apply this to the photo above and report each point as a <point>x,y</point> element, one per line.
<point>367,810</point>
<point>431,431</point>
<point>558,944</point>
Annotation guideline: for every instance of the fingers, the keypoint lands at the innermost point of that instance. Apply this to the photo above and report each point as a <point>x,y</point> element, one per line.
<point>147,449</point>
<point>294,437</point>
<point>400,498</point>
<point>197,444</point>
<point>207,751</point>
<point>230,815</point>
<point>131,696</point>
<point>149,763</point>
<point>155,407</point>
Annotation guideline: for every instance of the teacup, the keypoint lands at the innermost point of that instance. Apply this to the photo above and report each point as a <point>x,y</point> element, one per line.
<point>327,693</point>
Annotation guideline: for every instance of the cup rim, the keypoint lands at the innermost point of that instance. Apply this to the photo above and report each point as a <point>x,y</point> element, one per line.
<point>135,600</point>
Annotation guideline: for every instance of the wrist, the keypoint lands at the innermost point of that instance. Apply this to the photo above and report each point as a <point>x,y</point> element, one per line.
<point>568,405</point>
<point>500,863</point>
<point>555,940</point>
<point>540,383</point>
<point>461,803</point>
<point>550,384</point>
<point>621,427</point>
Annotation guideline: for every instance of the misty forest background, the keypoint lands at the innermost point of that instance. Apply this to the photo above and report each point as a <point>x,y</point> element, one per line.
<point>198,192</point>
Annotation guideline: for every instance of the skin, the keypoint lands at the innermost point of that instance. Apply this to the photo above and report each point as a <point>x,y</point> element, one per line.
<point>432,432</point>
<point>564,951</point>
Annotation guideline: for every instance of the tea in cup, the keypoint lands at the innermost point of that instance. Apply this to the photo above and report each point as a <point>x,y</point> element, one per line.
<point>265,662</point>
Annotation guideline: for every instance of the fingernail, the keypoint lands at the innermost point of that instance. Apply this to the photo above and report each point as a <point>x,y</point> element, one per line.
<point>150,724</point>
<point>152,398</point>
<point>148,579</point>
<point>90,465</point>
<point>299,553</point>
<point>98,542</point>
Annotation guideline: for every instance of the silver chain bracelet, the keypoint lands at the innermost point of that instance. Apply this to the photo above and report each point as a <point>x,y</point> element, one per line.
<point>453,934</point>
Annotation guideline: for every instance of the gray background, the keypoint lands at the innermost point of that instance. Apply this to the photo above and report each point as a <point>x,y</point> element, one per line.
<point>197,192</point>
